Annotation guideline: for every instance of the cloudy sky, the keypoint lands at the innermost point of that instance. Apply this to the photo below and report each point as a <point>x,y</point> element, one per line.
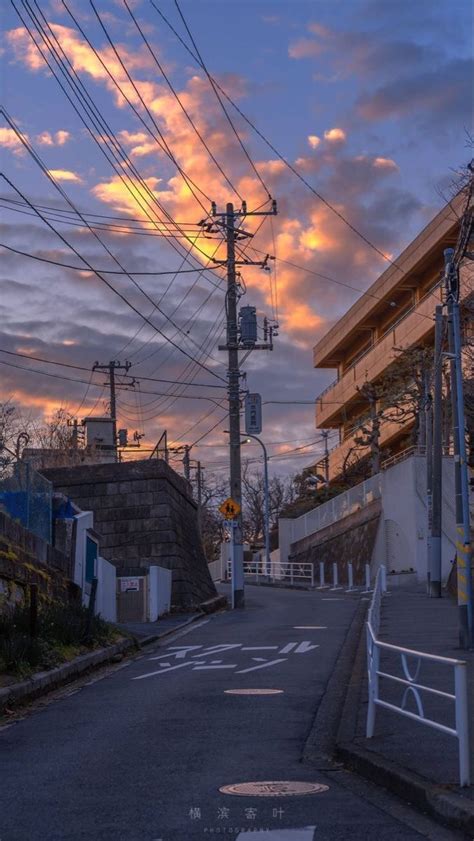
<point>106,113</point>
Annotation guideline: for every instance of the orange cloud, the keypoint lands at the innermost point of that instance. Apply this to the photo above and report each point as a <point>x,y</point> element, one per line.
<point>65,175</point>
<point>314,141</point>
<point>305,48</point>
<point>10,140</point>
<point>47,139</point>
<point>335,135</point>
<point>385,163</point>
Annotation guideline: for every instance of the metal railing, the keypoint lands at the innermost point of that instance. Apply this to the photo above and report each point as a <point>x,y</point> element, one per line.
<point>26,496</point>
<point>293,573</point>
<point>411,684</point>
<point>337,508</point>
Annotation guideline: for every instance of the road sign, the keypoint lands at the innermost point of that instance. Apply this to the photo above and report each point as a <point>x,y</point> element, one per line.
<point>253,414</point>
<point>230,509</point>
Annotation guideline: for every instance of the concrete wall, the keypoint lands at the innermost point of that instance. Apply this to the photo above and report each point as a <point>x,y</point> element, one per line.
<point>106,598</point>
<point>397,535</point>
<point>159,592</point>
<point>145,516</point>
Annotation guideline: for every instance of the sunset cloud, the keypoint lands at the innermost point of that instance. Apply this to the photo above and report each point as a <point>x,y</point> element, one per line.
<point>335,135</point>
<point>314,141</point>
<point>59,138</point>
<point>65,175</point>
<point>10,140</point>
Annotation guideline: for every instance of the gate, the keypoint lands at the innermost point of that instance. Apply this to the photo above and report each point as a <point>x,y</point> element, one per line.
<point>132,599</point>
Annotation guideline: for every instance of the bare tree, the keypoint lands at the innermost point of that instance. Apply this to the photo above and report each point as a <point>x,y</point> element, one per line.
<point>281,492</point>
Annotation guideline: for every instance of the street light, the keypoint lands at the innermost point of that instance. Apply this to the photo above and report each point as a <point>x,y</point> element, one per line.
<point>266,493</point>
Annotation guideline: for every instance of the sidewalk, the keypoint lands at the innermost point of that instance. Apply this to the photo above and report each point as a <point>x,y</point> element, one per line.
<point>406,754</point>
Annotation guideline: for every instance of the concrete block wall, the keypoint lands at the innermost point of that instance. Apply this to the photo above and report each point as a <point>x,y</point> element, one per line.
<point>145,516</point>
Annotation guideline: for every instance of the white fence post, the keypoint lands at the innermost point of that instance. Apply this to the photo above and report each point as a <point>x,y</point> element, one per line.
<point>350,577</point>
<point>373,655</point>
<point>335,579</point>
<point>462,723</point>
<point>368,588</point>
<point>322,585</point>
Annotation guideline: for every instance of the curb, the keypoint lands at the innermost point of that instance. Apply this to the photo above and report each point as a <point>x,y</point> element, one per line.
<point>448,807</point>
<point>44,682</point>
<point>321,741</point>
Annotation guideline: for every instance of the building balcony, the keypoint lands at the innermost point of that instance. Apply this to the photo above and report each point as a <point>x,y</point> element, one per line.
<point>346,453</point>
<point>340,398</point>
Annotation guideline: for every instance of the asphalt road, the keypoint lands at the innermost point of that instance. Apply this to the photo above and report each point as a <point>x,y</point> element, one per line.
<point>140,755</point>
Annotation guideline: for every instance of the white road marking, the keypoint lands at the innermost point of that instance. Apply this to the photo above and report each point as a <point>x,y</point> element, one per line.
<point>304,647</point>
<point>264,666</point>
<point>171,669</point>
<point>304,834</point>
<point>259,647</point>
<point>331,600</point>
<point>288,648</point>
<point>310,627</point>
<point>202,668</point>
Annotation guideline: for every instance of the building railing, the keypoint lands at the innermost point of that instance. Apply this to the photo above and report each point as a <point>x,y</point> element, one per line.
<point>337,508</point>
<point>412,686</point>
<point>375,344</point>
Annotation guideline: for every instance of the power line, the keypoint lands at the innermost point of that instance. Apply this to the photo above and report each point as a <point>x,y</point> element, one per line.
<point>83,368</point>
<point>96,385</point>
<point>109,285</point>
<point>103,271</point>
<point>99,123</point>
<point>197,58</point>
<point>219,98</point>
<point>184,110</point>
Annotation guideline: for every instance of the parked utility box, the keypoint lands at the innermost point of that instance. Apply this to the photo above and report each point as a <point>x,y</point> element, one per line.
<point>143,597</point>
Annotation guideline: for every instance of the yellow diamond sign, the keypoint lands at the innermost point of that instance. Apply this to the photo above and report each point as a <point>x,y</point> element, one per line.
<point>230,509</point>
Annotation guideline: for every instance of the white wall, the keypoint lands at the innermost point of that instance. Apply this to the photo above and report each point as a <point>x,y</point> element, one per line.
<point>159,592</point>
<point>106,598</point>
<point>84,521</point>
<point>401,540</point>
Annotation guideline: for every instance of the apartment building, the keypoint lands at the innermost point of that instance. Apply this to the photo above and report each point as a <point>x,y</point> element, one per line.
<point>396,312</point>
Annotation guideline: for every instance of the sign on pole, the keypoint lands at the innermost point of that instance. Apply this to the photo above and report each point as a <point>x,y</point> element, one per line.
<point>253,414</point>
<point>230,509</point>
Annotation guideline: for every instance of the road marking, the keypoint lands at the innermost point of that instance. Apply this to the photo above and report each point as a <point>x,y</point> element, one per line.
<point>254,668</point>
<point>305,834</point>
<point>304,647</point>
<point>332,600</point>
<point>288,648</point>
<point>310,627</point>
<point>259,647</point>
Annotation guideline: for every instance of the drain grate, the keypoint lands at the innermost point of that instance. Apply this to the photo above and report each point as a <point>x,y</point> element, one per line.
<point>276,788</point>
<point>253,691</point>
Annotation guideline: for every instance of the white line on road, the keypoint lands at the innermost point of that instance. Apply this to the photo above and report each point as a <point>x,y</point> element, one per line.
<point>305,834</point>
<point>310,627</point>
<point>253,668</point>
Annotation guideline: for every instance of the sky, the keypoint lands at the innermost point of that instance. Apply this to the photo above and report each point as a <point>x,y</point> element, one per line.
<point>369,100</point>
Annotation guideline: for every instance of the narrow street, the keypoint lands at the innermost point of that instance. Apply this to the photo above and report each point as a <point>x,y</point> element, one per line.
<point>141,754</point>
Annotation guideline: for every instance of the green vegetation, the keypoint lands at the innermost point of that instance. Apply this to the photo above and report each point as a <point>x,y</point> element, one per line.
<point>62,632</point>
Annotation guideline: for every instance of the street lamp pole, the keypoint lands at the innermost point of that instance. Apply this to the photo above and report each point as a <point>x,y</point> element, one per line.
<point>267,500</point>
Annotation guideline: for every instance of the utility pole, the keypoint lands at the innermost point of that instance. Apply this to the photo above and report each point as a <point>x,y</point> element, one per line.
<point>186,462</point>
<point>429,482</point>
<point>199,492</point>
<point>228,221</point>
<point>435,571</point>
<point>325,434</point>
<point>111,368</point>
<point>461,486</point>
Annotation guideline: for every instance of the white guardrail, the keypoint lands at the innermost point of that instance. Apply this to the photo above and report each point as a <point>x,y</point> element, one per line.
<point>294,573</point>
<point>375,649</point>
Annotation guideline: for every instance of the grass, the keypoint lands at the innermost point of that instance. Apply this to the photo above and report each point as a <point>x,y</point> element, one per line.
<point>62,633</point>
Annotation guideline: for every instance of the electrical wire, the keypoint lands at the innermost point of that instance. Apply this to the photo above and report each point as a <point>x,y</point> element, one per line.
<point>104,271</point>
<point>184,110</point>
<point>197,58</point>
<point>110,286</point>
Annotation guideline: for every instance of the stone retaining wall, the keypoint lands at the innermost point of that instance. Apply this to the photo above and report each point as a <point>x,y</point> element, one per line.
<point>145,515</point>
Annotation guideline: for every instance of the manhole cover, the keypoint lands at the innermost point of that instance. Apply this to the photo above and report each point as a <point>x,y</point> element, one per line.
<point>276,788</point>
<point>253,691</point>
